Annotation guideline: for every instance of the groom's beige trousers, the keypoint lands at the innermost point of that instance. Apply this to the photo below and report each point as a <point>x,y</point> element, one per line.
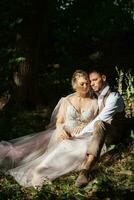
<point>103,132</point>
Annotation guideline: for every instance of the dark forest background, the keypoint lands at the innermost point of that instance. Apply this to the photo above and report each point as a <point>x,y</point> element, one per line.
<point>42,43</point>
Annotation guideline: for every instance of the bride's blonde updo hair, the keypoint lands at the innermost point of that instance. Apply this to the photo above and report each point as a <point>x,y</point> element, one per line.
<point>77,74</point>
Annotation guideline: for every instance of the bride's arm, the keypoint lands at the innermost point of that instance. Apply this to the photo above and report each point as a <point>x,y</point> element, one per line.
<point>60,124</point>
<point>60,120</point>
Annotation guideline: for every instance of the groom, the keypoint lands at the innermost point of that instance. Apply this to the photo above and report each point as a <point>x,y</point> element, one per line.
<point>106,127</point>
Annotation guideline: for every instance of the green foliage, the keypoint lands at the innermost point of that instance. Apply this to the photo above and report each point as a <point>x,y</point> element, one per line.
<point>17,60</point>
<point>125,82</point>
<point>10,22</point>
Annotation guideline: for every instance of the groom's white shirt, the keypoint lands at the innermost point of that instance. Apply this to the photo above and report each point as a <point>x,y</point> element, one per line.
<point>114,103</point>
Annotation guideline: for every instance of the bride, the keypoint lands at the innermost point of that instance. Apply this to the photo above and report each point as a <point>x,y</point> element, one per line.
<point>44,156</point>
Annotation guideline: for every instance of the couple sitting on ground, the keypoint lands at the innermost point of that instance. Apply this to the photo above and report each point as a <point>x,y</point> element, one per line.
<point>83,123</point>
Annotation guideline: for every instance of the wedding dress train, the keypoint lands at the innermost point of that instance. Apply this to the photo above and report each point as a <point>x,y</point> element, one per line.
<point>35,158</point>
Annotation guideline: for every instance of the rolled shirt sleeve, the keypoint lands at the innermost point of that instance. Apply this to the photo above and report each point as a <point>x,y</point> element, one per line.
<point>114,104</point>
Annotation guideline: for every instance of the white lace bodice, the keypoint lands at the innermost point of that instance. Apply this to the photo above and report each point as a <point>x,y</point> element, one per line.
<point>74,118</point>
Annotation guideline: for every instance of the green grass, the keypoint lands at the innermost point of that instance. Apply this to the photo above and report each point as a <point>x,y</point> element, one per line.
<point>112,179</point>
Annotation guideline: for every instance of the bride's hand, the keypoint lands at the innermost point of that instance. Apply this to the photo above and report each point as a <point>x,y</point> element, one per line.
<point>77,130</point>
<point>64,135</point>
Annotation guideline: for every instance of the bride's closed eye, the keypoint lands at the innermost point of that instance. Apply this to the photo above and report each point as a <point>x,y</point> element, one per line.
<point>84,84</point>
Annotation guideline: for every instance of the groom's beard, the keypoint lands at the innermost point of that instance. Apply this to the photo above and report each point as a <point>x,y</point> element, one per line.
<point>100,90</point>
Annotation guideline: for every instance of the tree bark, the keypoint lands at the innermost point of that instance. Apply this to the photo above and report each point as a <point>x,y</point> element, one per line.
<point>30,42</point>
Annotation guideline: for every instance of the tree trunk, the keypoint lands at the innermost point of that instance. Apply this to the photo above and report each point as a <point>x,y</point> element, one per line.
<point>34,32</point>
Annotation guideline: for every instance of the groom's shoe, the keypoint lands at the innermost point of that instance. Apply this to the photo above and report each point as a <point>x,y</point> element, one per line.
<point>82,179</point>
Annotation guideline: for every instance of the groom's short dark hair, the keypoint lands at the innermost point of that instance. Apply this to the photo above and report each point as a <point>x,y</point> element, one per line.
<point>108,72</point>
<point>98,70</point>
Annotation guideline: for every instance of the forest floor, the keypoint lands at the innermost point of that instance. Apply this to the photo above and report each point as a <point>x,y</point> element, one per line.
<point>112,179</point>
